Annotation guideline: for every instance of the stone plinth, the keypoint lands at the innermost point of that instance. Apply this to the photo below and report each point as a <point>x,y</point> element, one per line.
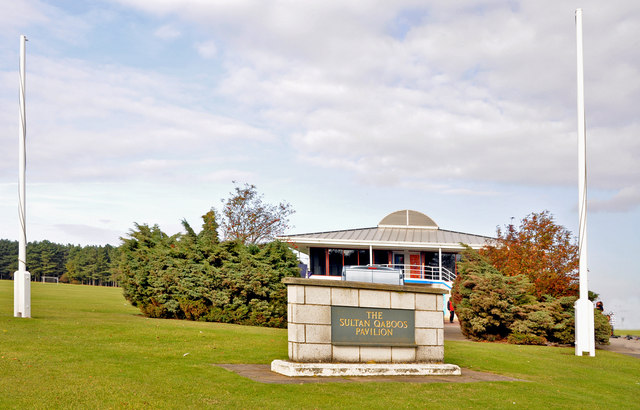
<point>371,332</point>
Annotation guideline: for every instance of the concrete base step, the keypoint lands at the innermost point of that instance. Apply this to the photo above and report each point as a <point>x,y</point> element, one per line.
<point>293,369</point>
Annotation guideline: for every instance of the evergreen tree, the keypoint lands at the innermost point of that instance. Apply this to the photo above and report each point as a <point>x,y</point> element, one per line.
<point>194,276</point>
<point>493,306</point>
<point>8,258</point>
<point>45,258</point>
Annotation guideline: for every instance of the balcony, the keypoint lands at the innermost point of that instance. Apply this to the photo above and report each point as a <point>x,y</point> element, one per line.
<point>421,273</point>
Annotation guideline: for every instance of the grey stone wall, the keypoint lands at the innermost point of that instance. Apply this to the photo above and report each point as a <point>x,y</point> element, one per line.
<point>309,321</point>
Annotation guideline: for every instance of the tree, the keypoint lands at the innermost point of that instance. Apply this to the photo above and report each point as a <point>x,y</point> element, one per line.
<point>90,264</point>
<point>46,259</point>
<point>76,264</point>
<point>493,306</point>
<point>193,276</point>
<point>486,301</point>
<point>248,219</point>
<point>540,249</point>
<point>209,234</point>
<point>146,271</point>
<point>8,258</point>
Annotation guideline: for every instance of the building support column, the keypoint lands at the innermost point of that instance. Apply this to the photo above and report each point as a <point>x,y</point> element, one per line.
<point>326,261</point>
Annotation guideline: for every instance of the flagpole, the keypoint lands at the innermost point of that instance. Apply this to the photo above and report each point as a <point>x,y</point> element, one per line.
<point>22,278</point>
<point>584,331</point>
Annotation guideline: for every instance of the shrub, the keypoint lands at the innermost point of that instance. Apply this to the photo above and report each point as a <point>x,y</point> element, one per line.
<point>486,301</point>
<point>551,320</point>
<point>196,277</point>
<point>492,306</point>
<point>519,338</point>
<point>602,327</point>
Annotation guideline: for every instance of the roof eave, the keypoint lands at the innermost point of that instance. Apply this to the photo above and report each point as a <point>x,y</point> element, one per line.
<point>377,244</point>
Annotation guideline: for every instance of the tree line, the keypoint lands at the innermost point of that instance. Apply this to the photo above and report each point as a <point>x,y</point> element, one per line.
<point>89,265</point>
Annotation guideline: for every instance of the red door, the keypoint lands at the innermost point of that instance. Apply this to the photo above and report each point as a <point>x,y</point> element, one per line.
<point>414,268</point>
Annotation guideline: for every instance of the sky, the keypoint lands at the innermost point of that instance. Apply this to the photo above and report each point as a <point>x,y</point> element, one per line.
<point>145,111</point>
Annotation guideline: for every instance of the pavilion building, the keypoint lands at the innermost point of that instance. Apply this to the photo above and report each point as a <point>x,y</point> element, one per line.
<point>408,240</point>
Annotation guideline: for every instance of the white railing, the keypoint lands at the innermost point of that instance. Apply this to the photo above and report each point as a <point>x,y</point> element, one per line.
<point>424,272</point>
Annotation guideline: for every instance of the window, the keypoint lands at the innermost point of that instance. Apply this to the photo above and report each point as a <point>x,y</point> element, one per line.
<point>381,257</point>
<point>317,261</point>
<point>431,259</point>
<point>350,257</point>
<point>449,261</point>
<point>363,256</point>
<point>335,262</point>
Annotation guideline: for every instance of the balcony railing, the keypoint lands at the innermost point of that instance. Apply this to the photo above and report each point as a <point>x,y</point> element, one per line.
<point>424,272</point>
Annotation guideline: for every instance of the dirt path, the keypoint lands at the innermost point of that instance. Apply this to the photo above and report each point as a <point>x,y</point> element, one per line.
<point>622,345</point>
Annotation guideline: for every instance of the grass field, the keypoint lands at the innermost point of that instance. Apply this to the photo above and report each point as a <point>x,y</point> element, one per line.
<point>85,347</point>
<point>624,332</point>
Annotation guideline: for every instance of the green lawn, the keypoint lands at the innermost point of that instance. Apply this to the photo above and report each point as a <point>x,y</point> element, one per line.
<point>624,332</point>
<point>85,347</point>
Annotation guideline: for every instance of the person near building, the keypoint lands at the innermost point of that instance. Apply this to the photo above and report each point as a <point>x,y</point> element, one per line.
<point>612,320</point>
<point>451,310</point>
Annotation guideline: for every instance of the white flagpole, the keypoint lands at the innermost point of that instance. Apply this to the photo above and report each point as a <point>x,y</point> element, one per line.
<point>22,278</point>
<point>585,337</point>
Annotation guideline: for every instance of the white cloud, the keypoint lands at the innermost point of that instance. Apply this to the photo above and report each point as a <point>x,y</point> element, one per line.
<point>228,175</point>
<point>107,122</point>
<point>40,21</point>
<point>88,234</point>
<point>625,200</point>
<point>482,95</point>
<point>207,49</point>
<point>21,13</point>
<point>167,32</point>
<point>468,92</point>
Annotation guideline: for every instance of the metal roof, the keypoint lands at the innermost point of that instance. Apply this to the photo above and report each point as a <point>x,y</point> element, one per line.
<point>389,237</point>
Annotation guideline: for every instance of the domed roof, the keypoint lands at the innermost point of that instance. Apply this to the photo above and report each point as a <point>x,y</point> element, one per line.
<point>408,218</point>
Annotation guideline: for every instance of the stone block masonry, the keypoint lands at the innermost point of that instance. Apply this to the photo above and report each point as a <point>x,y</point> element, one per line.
<point>372,323</point>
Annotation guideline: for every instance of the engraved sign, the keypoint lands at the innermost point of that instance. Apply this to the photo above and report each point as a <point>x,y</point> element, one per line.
<point>360,326</point>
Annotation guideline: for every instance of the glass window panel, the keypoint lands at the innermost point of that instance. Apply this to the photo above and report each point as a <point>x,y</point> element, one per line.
<point>449,261</point>
<point>431,259</point>
<point>380,257</point>
<point>317,261</point>
<point>335,262</point>
<point>350,257</point>
<point>363,256</point>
